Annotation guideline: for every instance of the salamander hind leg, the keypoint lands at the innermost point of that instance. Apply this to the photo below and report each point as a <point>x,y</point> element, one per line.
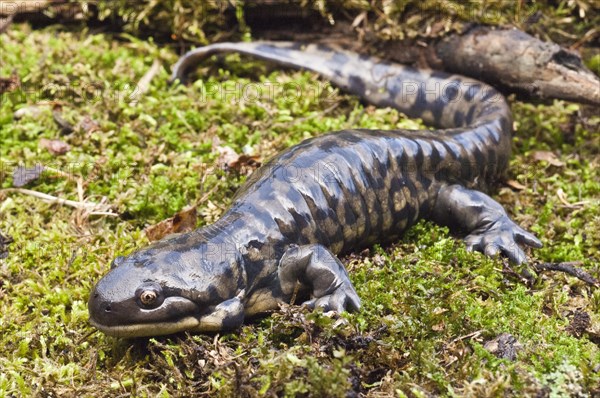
<point>488,227</point>
<point>315,267</point>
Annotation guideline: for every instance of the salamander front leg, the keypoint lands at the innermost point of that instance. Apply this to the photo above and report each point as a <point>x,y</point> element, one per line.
<point>314,266</point>
<point>489,229</point>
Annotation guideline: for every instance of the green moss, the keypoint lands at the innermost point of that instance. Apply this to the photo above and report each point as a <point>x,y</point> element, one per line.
<point>184,19</point>
<point>429,305</point>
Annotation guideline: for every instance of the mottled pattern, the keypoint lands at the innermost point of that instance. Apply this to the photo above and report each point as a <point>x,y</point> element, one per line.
<point>331,194</point>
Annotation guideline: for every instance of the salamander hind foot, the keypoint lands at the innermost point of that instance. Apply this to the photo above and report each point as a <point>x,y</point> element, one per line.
<point>488,227</point>
<point>502,236</point>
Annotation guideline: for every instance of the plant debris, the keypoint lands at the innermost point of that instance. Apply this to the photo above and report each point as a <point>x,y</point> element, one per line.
<point>504,346</point>
<point>514,184</point>
<point>87,125</point>
<point>579,323</point>
<point>5,241</point>
<point>65,127</point>
<point>144,84</point>
<point>568,268</point>
<point>183,221</point>
<point>55,147</point>
<point>9,84</point>
<point>91,208</point>
<point>547,156</point>
<point>241,163</point>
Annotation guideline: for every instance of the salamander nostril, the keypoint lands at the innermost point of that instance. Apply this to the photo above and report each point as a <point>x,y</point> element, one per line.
<point>107,308</point>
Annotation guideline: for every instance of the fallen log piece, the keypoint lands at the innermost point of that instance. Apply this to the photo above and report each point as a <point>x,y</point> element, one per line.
<point>520,63</point>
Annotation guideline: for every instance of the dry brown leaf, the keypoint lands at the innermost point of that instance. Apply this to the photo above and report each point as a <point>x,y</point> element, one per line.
<point>549,157</point>
<point>87,125</point>
<point>227,156</point>
<point>439,327</point>
<point>55,147</point>
<point>245,164</point>
<point>230,159</point>
<point>514,184</point>
<point>183,221</point>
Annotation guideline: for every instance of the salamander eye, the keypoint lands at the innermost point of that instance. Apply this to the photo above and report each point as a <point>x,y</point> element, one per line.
<point>149,295</point>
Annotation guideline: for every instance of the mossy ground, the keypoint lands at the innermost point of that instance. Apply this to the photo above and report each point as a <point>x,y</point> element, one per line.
<point>429,305</point>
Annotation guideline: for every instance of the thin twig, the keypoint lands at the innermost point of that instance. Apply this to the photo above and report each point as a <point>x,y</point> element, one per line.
<point>144,84</point>
<point>183,121</point>
<point>206,195</point>
<point>103,213</point>
<point>568,268</point>
<point>466,336</point>
<point>60,173</point>
<point>587,37</point>
<point>90,206</point>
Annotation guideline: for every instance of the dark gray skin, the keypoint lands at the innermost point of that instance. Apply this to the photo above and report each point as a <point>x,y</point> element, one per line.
<point>327,195</point>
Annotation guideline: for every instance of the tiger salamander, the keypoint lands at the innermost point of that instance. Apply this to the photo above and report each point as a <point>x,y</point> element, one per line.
<point>327,195</point>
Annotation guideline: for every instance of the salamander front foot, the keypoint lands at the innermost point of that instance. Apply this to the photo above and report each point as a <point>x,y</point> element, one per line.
<point>343,298</point>
<point>316,267</point>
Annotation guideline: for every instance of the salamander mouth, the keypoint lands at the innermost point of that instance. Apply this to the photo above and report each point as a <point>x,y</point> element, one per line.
<point>128,319</point>
<point>148,329</point>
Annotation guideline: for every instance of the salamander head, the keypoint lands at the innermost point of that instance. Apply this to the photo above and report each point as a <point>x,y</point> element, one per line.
<point>157,291</point>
